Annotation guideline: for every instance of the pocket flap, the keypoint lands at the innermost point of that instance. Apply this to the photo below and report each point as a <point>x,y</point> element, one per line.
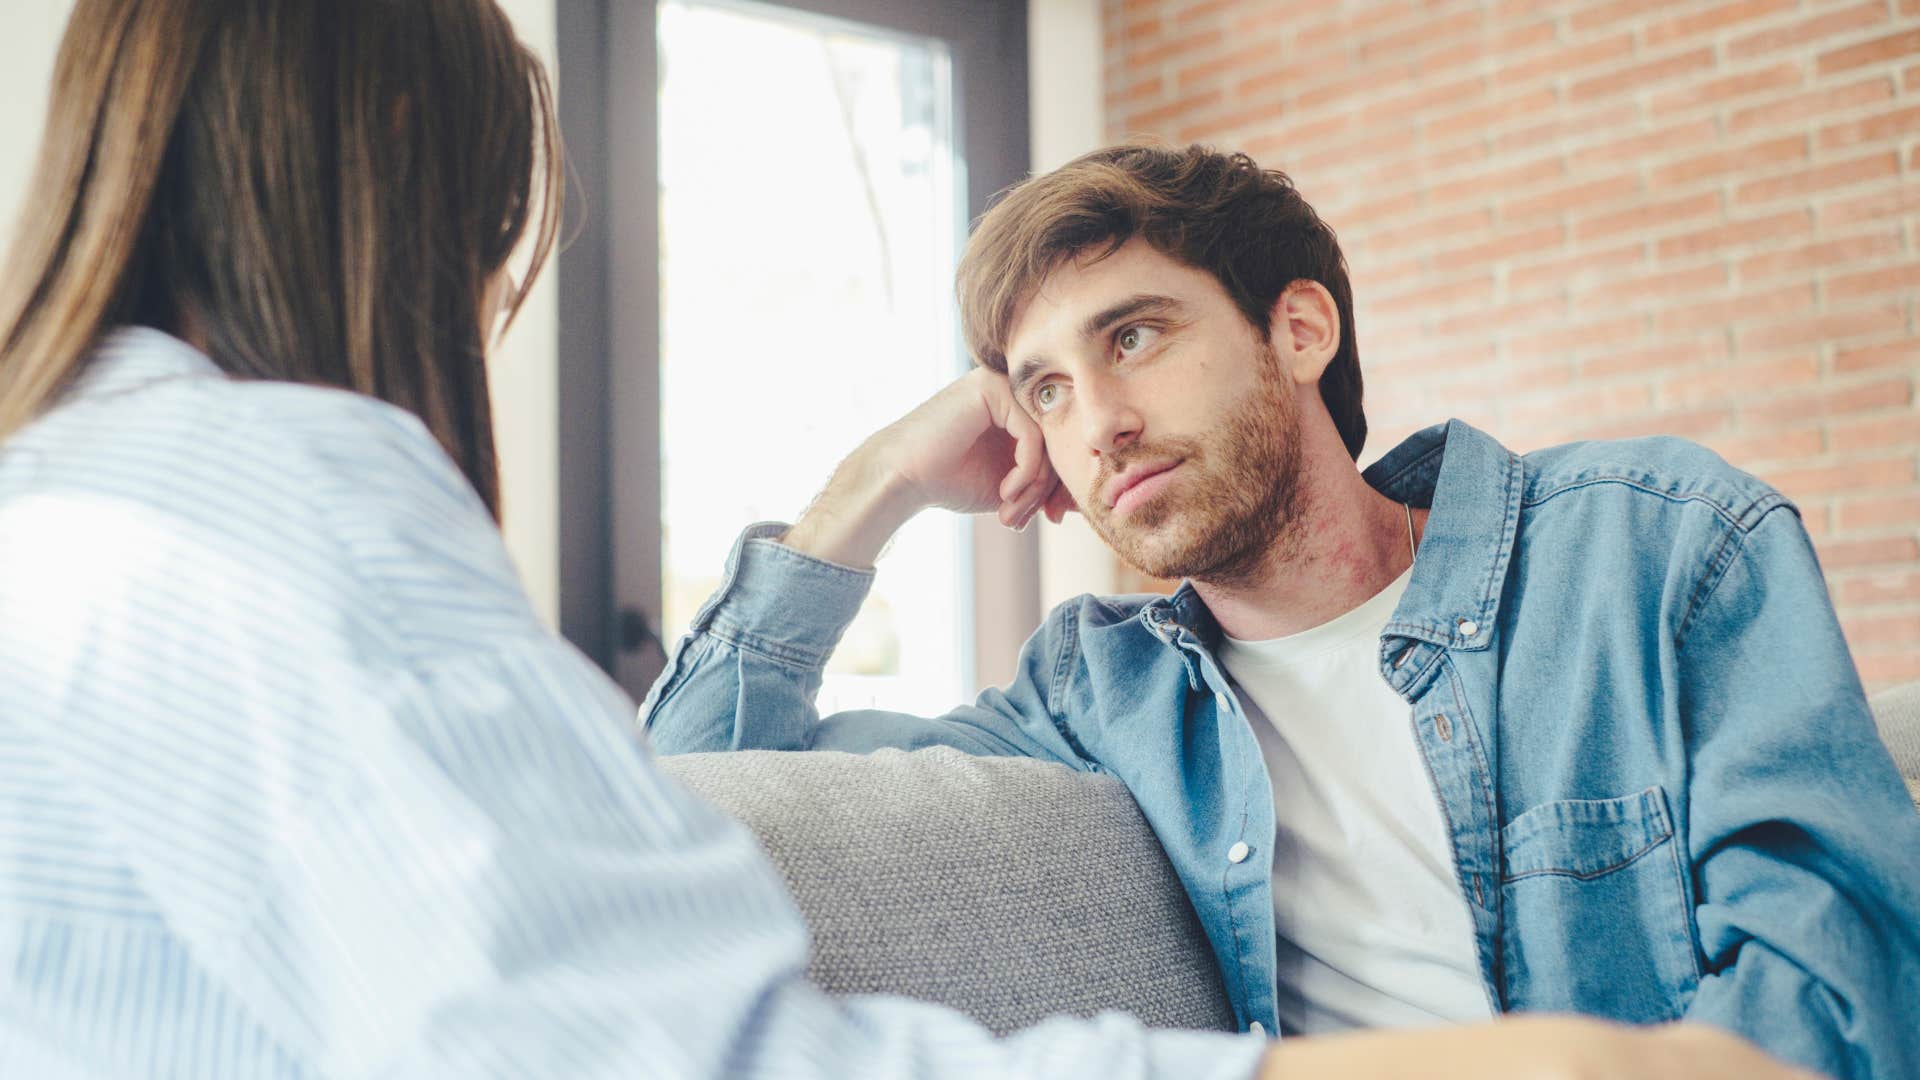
<point>1585,838</point>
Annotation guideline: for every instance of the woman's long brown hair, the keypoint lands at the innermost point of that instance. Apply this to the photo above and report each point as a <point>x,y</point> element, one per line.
<point>318,191</point>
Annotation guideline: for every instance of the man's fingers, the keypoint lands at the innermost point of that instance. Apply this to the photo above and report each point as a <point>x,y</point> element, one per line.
<point>1059,502</point>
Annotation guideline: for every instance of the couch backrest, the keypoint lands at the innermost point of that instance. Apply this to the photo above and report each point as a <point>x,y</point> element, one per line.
<point>1898,713</point>
<point>1009,889</point>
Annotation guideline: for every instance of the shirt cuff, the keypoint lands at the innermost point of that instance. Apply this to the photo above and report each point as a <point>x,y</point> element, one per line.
<point>782,602</point>
<point>1206,1054</point>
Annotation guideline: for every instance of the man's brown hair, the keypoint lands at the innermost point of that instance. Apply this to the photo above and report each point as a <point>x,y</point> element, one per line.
<point>1216,212</point>
<point>320,190</point>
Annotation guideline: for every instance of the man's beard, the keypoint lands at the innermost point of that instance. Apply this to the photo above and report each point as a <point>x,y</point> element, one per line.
<point>1234,508</point>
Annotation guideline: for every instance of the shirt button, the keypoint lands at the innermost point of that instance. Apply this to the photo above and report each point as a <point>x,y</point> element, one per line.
<point>1443,727</point>
<point>1256,1028</point>
<point>1467,627</point>
<point>1238,852</point>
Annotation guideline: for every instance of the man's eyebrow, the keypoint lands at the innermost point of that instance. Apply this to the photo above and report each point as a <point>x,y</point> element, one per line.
<point>1097,324</point>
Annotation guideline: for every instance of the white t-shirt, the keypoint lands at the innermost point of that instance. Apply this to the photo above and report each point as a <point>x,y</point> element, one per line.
<point>1374,930</point>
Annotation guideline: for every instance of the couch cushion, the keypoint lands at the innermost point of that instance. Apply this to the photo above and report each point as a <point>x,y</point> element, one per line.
<point>1007,888</point>
<point>1898,713</point>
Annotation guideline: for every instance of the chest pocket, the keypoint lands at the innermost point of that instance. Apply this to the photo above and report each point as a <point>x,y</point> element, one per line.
<point>1596,910</point>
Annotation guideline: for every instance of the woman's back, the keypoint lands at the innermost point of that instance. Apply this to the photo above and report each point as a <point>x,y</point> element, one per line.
<point>286,760</point>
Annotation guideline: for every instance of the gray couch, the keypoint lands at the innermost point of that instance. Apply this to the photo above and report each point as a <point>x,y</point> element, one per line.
<point>1009,889</point>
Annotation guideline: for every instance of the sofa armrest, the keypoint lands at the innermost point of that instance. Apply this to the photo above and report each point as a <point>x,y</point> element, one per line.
<point>1006,888</point>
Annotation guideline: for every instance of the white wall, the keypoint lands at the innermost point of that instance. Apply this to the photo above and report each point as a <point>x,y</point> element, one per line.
<point>524,381</point>
<point>1064,51</point>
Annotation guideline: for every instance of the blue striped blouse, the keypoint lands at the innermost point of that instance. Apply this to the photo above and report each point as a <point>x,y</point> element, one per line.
<point>294,783</point>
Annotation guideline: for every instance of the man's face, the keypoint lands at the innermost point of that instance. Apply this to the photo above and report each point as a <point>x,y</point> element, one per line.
<point>1166,415</point>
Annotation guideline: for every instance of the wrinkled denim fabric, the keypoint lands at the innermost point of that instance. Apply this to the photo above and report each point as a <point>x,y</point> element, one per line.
<point>1663,788</point>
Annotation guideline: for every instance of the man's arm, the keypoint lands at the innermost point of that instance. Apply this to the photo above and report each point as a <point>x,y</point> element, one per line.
<point>746,675</point>
<point>1805,848</point>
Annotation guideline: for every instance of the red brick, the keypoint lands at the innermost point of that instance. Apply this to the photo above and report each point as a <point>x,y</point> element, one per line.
<point>1896,46</point>
<point>1175,46</point>
<point>1557,62</point>
<point>1861,515</point>
<point>1640,76</point>
<point>1498,183</point>
<point>1559,201</point>
<point>1882,587</point>
<point>1882,629</point>
<point>1342,91</point>
<point>1670,357</point>
<point>1140,30</point>
<point>1820,178</point>
<point>1735,234</point>
<point>1423,232</point>
<point>1511,316</point>
<point>1826,329</point>
<point>1633,288</point>
<point>1882,433</point>
<point>1632,149</point>
<point>1713,20</point>
<point>1887,125</point>
<point>1577,270</point>
<point>1174,110</point>
<point>1877,356</point>
<point>1502,247</point>
<point>1871,283</point>
<point>1568,124</point>
<point>1743,307</point>
<point>1881,672</point>
<point>1911,79</point>
<point>1727,88</point>
<point>1809,104</point>
<point>1739,380</point>
<point>1195,12</point>
<point>1748,159</point>
<point>1612,11</point>
<point>1829,403</point>
<point>1218,124</point>
<point>1646,216</point>
<point>1813,482</point>
<point>1477,120</point>
<point>1564,410</point>
<point>1451,290</point>
<point>1693,424</point>
<point>1902,200</point>
<point>1750,452</point>
<point>1798,34</point>
<point>1407,107</point>
<point>1819,256</point>
<point>1427,32</point>
<point>1574,339</point>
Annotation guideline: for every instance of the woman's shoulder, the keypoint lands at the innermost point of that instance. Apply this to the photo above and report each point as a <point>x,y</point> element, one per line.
<point>273,475</point>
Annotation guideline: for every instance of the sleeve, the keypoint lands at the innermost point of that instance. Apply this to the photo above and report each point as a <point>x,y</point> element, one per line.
<point>386,858</point>
<point>1805,847</point>
<point>747,672</point>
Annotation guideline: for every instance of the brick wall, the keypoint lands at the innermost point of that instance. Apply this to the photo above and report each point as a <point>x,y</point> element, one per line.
<point>1588,220</point>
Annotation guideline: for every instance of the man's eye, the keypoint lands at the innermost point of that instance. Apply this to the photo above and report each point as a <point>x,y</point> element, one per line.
<point>1134,338</point>
<point>1046,396</point>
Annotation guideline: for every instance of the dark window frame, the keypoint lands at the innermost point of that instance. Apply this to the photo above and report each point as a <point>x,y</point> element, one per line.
<point>608,363</point>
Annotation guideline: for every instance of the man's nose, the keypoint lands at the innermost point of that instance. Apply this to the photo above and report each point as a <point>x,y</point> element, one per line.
<point>1109,419</point>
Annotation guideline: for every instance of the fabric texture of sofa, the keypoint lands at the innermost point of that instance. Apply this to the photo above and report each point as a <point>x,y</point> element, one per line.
<point>1006,888</point>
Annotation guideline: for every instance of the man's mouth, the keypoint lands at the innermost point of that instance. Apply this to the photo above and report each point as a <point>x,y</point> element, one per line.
<point>1136,485</point>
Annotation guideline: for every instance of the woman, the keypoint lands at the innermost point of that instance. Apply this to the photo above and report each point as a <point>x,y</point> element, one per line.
<point>292,781</point>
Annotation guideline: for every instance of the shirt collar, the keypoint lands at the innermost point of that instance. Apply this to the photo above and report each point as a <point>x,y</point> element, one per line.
<point>129,357</point>
<point>1472,485</point>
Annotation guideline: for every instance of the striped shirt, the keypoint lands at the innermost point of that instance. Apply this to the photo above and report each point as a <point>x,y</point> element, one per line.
<point>294,783</point>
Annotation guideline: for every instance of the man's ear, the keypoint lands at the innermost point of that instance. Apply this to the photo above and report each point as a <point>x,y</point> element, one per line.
<point>1305,330</point>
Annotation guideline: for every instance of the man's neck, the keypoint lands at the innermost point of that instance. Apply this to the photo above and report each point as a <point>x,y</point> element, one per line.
<point>1348,545</point>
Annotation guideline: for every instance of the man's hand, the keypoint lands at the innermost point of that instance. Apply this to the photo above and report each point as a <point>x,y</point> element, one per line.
<point>969,448</point>
<point>1530,1048</point>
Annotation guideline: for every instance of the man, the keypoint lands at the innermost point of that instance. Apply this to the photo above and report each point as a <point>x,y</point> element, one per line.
<point>1574,731</point>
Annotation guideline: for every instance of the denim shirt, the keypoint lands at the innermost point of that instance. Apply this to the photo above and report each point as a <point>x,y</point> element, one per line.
<point>1662,786</point>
